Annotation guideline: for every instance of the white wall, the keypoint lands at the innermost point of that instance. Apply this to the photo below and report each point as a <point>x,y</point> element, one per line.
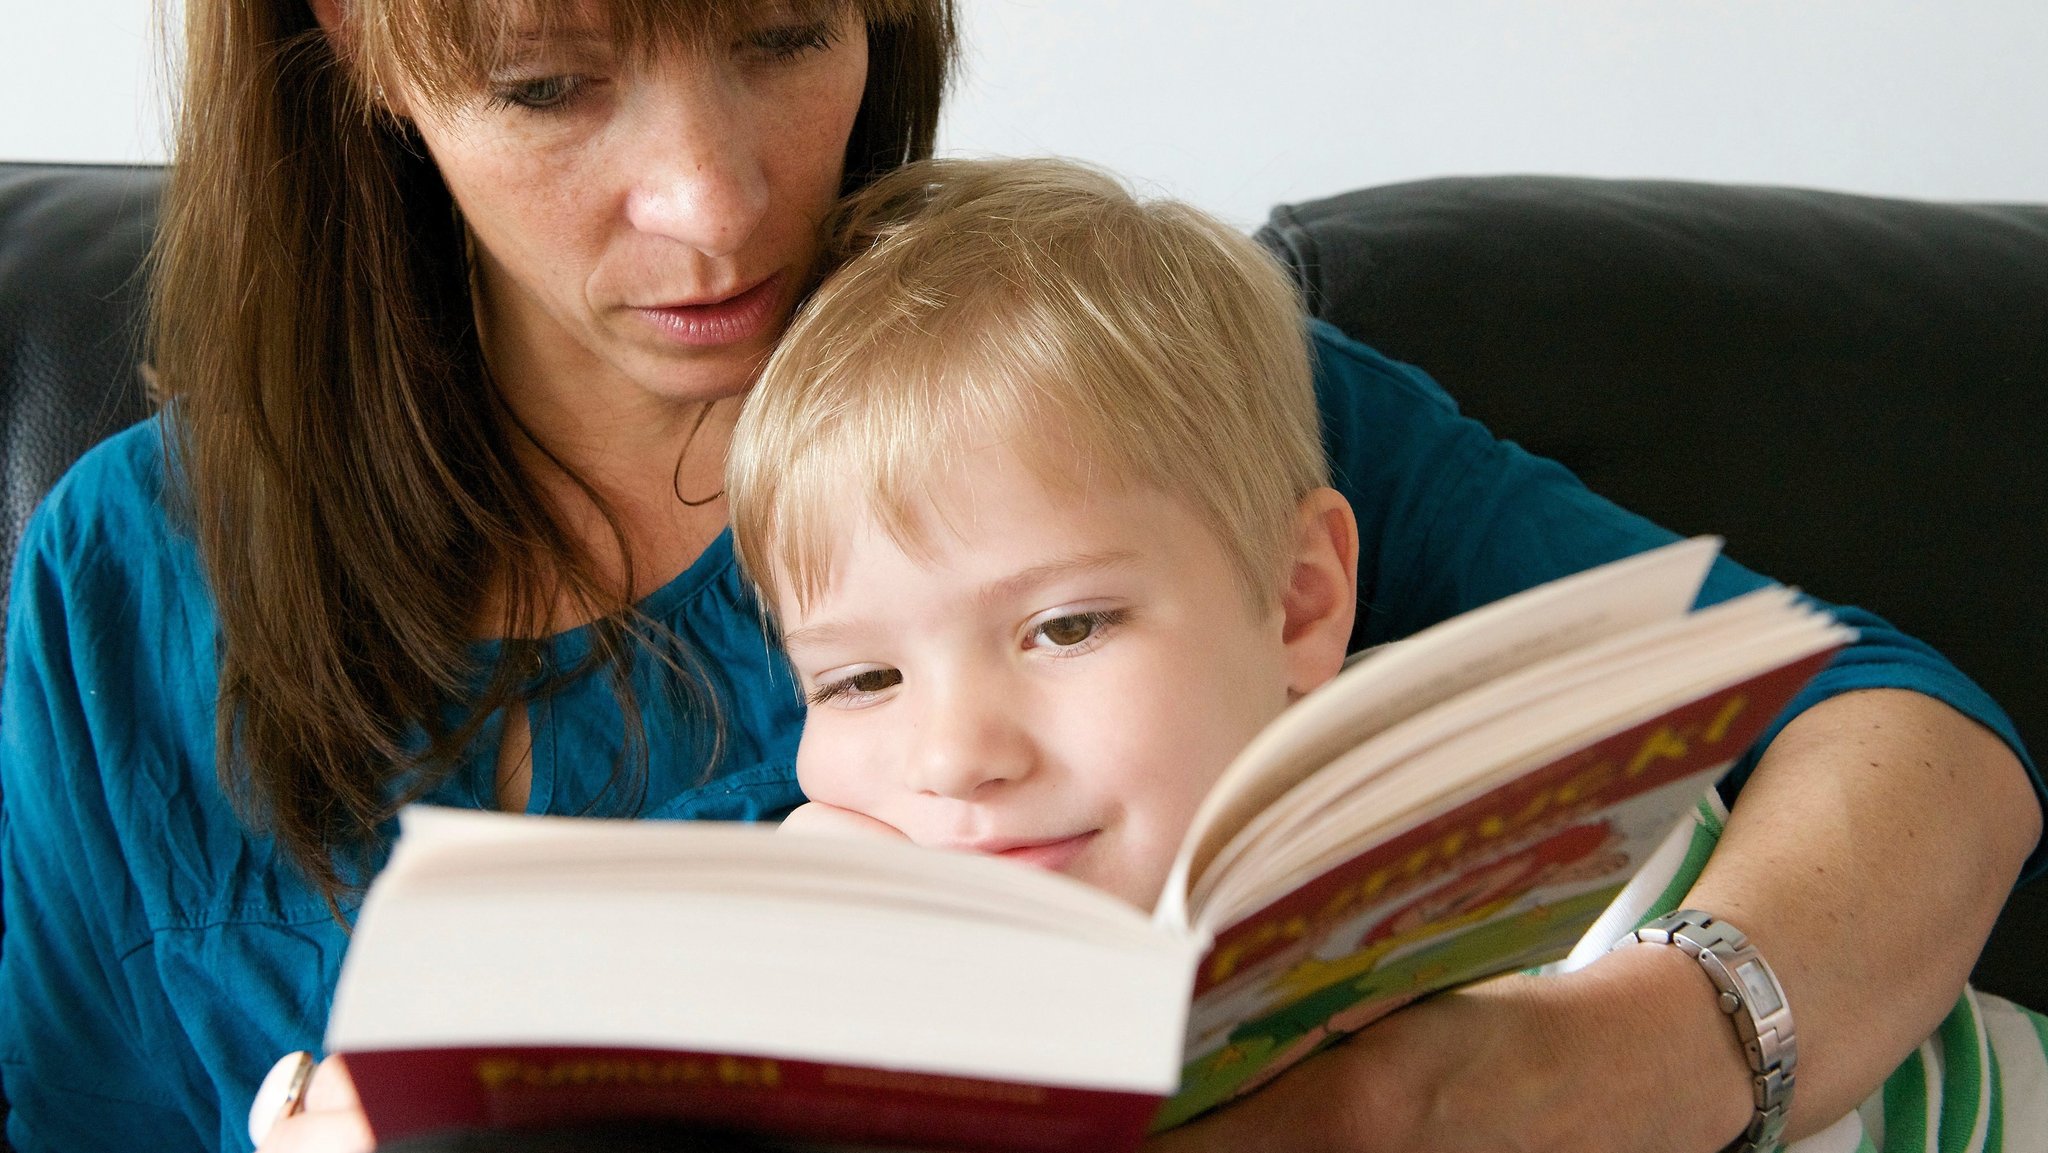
<point>80,80</point>
<point>1237,104</point>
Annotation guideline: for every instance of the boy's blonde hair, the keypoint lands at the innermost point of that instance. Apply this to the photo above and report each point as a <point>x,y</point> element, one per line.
<point>1038,304</point>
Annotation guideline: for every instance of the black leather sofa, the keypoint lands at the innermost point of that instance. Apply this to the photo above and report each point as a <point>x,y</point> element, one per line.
<point>1854,391</point>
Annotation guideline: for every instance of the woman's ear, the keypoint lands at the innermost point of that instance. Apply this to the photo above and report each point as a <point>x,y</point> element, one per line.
<point>328,13</point>
<point>332,16</point>
<point>1320,598</point>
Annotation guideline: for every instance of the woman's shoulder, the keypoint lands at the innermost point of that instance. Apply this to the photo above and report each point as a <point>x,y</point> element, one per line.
<point>110,503</point>
<point>127,468</point>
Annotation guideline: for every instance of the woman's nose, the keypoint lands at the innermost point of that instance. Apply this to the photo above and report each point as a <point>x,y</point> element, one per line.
<point>969,741</point>
<point>699,178</point>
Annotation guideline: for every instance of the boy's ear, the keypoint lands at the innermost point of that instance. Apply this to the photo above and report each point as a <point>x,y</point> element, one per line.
<point>1320,597</point>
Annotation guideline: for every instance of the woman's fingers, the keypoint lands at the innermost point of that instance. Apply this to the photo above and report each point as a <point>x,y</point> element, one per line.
<point>320,1133</point>
<point>281,1093</point>
<point>332,1090</point>
<point>328,1119</point>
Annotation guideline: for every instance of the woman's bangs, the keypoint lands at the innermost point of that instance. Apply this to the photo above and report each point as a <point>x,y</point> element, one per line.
<point>450,49</point>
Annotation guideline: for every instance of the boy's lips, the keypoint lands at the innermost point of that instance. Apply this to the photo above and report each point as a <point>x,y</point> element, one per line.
<point>1053,855</point>
<point>725,320</point>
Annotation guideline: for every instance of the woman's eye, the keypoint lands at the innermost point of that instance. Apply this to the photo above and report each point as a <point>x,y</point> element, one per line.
<point>539,94</point>
<point>854,689</point>
<point>1075,629</point>
<point>788,42</point>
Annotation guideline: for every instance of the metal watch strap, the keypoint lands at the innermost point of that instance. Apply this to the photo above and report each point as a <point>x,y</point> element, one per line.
<point>1753,1000</point>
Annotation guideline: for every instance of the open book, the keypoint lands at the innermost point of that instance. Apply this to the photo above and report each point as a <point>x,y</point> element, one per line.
<point>1454,805</point>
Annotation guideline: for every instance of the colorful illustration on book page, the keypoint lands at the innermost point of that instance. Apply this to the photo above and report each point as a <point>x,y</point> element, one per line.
<point>1523,909</point>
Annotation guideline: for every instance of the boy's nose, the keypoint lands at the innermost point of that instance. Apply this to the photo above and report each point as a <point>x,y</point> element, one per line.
<point>968,743</point>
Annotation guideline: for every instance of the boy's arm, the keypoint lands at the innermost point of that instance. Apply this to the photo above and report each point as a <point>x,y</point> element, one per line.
<point>1866,859</point>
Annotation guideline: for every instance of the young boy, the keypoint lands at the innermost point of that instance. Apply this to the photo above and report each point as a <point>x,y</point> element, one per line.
<point>1035,491</point>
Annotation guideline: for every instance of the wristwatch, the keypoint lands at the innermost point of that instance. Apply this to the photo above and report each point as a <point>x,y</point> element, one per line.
<point>1753,1000</point>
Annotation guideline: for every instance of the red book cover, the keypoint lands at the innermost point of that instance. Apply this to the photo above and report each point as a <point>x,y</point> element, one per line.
<point>415,1091</point>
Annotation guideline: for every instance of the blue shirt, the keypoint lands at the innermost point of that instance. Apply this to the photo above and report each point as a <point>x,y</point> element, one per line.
<point>160,955</point>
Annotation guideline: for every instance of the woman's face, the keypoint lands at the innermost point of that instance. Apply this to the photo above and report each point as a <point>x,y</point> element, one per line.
<point>642,229</point>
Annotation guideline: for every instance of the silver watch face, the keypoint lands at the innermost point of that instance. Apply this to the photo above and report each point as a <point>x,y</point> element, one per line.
<point>1758,987</point>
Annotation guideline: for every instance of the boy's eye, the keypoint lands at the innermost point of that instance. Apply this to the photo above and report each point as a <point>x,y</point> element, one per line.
<point>1075,629</point>
<point>853,689</point>
<point>1068,631</point>
<point>874,680</point>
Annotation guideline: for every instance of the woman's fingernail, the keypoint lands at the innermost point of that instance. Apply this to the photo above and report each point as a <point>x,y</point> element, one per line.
<point>283,1088</point>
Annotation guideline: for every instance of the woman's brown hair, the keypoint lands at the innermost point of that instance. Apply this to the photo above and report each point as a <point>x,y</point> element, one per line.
<point>348,469</point>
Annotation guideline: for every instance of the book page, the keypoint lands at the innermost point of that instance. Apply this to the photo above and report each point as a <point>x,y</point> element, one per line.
<point>1474,739</point>
<point>1480,758</point>
<point>491,929</point>
<point>447,850</point>
<point>1412,674</point>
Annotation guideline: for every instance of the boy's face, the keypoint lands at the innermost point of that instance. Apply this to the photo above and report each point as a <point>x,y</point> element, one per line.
<point>1059,678</point>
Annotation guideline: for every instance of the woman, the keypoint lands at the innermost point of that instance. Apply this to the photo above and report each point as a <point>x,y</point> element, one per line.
<point>456,302</point>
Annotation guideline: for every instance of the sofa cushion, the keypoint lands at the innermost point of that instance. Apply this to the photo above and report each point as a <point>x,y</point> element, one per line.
<point>72,239</point>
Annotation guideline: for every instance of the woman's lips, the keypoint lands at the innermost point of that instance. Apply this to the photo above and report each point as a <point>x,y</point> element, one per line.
<point>1051,855</point>
<point>735,319</point>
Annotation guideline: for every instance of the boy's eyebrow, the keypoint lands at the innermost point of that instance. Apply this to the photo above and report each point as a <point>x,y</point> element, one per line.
<point>1016,584</point>
<point>823,634</point>
<point>1025,580</point>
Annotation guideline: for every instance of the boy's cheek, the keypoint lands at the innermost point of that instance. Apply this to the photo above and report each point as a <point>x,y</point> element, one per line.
<point>830,769</point>
<point>1131,867</point>
<point>814,783</point>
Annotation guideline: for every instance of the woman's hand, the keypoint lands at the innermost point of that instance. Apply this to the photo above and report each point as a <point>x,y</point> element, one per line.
<point>332,1121</point>
<point>1520,1063</point>
<point>818,819</point>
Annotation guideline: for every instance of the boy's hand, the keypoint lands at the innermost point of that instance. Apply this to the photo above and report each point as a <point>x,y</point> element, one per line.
<point>823,820</point>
